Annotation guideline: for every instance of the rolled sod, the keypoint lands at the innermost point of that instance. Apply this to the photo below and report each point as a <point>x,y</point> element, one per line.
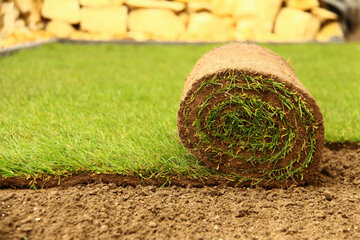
<point>244,112</point>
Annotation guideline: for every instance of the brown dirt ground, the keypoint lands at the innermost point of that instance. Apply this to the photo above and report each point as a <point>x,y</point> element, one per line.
<point>327,209</point>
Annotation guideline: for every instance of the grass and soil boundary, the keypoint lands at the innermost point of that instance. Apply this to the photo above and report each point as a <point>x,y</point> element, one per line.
<point>110,110</point>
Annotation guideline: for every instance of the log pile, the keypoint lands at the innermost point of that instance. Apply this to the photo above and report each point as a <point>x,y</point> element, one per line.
<point>165,20</point>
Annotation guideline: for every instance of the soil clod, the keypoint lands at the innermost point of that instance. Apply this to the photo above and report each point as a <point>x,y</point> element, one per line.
<point>152,224</point>
<point>328,195</point>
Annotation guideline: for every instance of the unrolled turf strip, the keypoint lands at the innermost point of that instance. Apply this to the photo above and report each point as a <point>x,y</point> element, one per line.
<point>243,111</point>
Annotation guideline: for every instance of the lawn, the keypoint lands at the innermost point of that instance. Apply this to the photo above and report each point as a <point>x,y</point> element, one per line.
<point>112,108</point>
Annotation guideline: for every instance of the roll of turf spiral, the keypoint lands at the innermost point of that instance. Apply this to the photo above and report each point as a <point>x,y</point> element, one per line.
<point>244,112</point>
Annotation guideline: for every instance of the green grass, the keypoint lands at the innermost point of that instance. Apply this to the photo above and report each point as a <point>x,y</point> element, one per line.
<point>112,108</point>
<point>230,111</point>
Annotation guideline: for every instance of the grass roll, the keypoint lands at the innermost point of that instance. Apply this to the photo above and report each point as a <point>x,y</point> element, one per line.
<point>244,112</point>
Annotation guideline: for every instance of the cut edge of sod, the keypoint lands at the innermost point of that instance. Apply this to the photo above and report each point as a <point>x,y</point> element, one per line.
<point>276,143</point>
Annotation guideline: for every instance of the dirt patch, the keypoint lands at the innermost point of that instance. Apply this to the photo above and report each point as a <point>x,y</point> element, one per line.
<point>328,209</point>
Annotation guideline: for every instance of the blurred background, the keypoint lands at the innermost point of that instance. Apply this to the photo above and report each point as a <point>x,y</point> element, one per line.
<point>23,21</point>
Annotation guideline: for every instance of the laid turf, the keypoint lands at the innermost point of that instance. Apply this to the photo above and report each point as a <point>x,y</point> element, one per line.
<point>112,108</point>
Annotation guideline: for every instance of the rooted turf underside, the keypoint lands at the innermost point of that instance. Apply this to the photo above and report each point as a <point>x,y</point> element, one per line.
<point>230,125</point>
<point>68,109</point>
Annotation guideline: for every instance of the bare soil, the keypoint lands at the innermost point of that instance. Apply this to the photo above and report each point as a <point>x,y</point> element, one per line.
<point>327,209</point>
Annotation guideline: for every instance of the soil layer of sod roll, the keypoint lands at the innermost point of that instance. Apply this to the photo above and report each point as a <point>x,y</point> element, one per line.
<point>244,112</point>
